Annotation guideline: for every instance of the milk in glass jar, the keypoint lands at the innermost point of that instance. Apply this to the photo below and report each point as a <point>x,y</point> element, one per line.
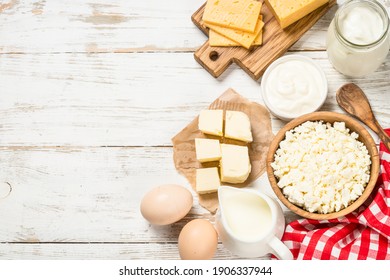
<point>358,39</point>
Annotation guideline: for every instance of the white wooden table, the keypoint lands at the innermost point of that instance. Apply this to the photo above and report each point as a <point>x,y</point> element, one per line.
<point>91,93</point>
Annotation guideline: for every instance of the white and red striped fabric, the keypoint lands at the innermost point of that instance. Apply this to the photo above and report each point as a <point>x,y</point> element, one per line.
<point>364,234</point>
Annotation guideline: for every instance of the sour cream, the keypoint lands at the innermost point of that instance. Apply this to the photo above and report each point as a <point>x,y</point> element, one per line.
<point>293,86</point>
<point>358,38</point>
<point>361,25</point>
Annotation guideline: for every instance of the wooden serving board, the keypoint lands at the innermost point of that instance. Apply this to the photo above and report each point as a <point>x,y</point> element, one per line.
<point>276,41</point>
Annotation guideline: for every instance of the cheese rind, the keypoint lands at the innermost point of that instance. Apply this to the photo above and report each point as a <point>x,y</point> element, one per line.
<point>289,11</point>
<point>211,122</point>
<point>207,150</point>
<point>238,126</point>
<point>244,39</point>
<point>236,14</point>
<point>207,180</point>
<point>235,163</point>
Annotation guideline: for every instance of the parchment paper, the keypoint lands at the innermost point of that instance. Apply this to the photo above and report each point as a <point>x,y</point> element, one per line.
<point>184,155</point>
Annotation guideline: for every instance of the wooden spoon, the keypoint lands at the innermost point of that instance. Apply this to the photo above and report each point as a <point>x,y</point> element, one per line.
<point>353,100</point>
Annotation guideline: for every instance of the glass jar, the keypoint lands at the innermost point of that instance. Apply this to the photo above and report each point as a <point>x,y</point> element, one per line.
<point>358,39</point>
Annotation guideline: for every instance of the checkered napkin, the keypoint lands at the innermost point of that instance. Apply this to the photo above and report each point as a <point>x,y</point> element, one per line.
<point>361,235</point>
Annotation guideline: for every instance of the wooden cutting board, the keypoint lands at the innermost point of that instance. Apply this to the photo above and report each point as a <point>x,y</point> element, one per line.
<point>276,41</point>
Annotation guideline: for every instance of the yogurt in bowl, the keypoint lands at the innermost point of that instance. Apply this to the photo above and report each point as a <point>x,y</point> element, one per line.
<point>292,86</point>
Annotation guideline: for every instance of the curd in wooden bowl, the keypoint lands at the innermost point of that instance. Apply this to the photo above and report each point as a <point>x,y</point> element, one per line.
<point>332,191</point>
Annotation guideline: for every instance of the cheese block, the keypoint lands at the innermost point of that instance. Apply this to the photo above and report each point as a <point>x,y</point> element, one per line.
<point>207,180</point>
<point>289,11</point>
<point>245,39</point>
<point>236,14</point>
<point>211,122</point>
<point>235,163</point>
<point>218,40</point>
<point>238,126</point>
<point>207,150</point>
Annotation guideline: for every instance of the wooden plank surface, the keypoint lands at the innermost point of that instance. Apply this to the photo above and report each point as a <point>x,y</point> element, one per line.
<point>115,100</point>
<point>91,93</point>
<point>97,26</point>
<point>100,251</point>
<point>104,26</point>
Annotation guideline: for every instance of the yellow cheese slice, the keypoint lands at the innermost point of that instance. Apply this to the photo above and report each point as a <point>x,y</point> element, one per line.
<point>259,39</point>
<point>236,14</point>
<point>245,39</point>
<point>289,11</point>
<point>230,37</point>
<point>217,40</point>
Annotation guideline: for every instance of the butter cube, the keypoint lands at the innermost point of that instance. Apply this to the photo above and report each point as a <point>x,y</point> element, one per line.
<point>211,122</point>
<point>207,180</point>
<point>207,150</point>
<point>289,11</point>
<point>238,126</point>
<point>235,163</point>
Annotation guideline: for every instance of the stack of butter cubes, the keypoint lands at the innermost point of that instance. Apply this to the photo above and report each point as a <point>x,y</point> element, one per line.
<point>233,160</point>
<point>234,23</point>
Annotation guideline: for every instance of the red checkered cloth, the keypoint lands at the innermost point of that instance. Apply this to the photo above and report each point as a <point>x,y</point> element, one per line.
<point>361,235</point>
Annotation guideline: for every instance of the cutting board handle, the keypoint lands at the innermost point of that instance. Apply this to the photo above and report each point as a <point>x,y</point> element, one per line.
<point>215,59</point>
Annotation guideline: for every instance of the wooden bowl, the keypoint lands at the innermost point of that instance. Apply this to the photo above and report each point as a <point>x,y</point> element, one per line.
<point>330,117</point>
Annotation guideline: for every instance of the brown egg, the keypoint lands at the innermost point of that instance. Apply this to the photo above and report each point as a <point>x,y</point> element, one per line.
<point>166,204</point>
<point>198,240</point>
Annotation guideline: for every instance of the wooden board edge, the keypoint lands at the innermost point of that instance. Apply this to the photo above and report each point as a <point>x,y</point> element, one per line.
<point>197,19</point>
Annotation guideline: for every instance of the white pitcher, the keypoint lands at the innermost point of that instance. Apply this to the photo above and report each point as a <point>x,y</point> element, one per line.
<point>250,223</point>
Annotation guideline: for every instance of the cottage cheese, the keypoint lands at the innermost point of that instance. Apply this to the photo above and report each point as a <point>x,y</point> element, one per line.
<point>322,168</point>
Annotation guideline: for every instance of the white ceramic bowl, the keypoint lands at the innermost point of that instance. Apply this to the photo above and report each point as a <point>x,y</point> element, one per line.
<point>316,102</point>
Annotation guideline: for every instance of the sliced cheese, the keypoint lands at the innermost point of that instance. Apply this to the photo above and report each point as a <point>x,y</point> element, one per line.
<point>236,14</point>
<point>245,39</point>
<point>238,126</point>
<point>290,11</point>
<point>207,150</point>
<point>211,122</point>
<point>207,180</point>
<point>258,40</point>
<point>235,163</point>
<point>217,40</point>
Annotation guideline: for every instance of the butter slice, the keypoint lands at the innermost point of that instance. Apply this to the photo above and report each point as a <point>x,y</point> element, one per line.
<point>245,39</point>
<point>235,163</point>
<point>207,150</point>
<point>238,126</point>
<point>207,180</point>
<point>236,14</point>
<point>289,11</point>
<point>211,122</point>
